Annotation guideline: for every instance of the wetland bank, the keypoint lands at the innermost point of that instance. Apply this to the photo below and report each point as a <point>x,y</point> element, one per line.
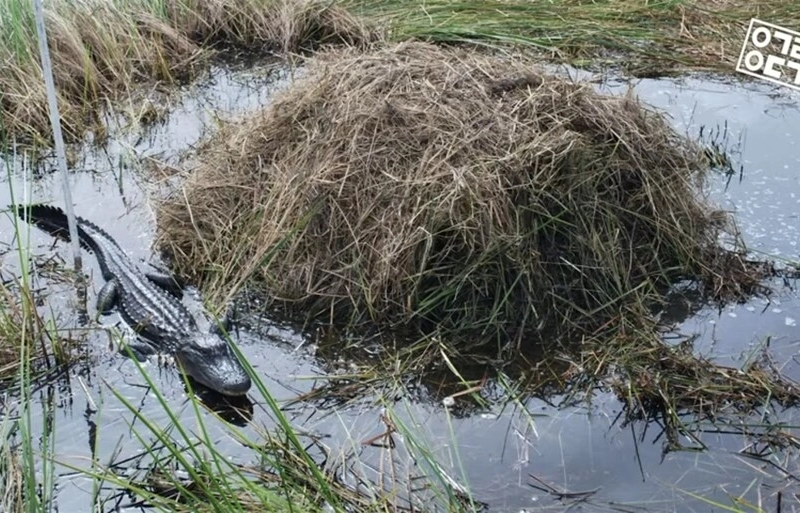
<point>413,185</point>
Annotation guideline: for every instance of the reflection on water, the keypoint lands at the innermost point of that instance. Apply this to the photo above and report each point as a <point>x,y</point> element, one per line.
<point>236,410</point>
<point>528,455</point>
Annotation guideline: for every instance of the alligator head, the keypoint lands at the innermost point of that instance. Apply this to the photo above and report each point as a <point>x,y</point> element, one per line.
<point>208,359</point>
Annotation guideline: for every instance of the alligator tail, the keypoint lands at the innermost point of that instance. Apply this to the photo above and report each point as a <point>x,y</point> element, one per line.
<point>53,220</point>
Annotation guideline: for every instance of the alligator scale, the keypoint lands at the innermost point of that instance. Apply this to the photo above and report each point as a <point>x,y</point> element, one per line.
<point>145,302</point>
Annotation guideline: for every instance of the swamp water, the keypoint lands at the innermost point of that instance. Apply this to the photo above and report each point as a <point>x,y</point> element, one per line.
<point>497,452</point>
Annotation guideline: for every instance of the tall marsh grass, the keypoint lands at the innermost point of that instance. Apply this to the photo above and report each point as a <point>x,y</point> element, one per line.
<point>180,466</point>
<point>27,341</point>
<point>30,340</point>
<point>101,48</point>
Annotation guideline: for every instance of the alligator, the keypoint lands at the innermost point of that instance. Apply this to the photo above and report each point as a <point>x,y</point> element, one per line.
<point>150,304</point>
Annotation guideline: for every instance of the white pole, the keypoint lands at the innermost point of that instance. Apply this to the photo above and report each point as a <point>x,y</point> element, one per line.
<point>61,154</point>
<point>55,122</point>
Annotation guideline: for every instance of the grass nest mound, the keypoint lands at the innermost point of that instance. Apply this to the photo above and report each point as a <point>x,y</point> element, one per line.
<point>446,186</point>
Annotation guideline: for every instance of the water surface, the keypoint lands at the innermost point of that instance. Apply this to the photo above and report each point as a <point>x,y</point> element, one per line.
<point>497,452</point>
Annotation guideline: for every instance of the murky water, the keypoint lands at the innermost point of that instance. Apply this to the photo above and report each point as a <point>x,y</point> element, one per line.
<point>499,454</point>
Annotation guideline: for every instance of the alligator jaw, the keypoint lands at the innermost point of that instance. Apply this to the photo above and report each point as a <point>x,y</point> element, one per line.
<point>209,360</point>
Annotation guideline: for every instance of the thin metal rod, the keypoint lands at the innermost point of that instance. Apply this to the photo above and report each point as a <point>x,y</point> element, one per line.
<point>55,121</point>
<point>58,140</point>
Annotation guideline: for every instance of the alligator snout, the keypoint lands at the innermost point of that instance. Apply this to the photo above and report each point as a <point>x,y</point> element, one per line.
<point>210,361</point>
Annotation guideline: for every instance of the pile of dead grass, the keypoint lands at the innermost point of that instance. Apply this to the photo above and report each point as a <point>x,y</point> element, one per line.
<point>419,183</point>
<point>100,49</point>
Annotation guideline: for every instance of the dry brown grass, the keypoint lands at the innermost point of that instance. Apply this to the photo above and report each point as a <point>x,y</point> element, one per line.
<point>101,49</point>
<point>288,26</point>
<point>454,188</point>
<point>12,486</point>
<point>16,327</point>
<point>24,333</point>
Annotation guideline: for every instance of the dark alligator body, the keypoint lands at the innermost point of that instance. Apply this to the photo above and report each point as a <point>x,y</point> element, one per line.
<point>150,305</point>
